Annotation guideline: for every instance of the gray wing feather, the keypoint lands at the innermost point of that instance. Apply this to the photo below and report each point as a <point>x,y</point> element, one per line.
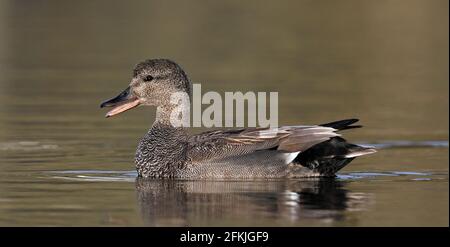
<point>216,145</point>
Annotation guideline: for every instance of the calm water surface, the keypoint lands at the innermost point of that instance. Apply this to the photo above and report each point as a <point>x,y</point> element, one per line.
<point>63,164</point>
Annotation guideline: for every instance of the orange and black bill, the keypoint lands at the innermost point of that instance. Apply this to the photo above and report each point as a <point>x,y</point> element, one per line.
<point>122,102</point>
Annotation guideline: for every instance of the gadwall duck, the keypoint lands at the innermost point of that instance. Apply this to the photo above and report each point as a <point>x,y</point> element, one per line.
<point>167,151</point>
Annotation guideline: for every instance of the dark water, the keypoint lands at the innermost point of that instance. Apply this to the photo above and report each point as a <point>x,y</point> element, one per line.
<point>62,163</point>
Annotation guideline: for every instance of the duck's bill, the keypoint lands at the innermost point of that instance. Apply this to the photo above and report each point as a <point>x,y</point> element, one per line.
<point>122,102</point>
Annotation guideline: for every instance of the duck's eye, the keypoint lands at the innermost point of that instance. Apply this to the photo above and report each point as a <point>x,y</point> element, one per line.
<point>148,78</point>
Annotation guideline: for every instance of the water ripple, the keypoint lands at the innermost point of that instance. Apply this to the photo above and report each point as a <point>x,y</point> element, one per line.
<point>26,146</point>
<point>407,144</point>
<point>130,176</point>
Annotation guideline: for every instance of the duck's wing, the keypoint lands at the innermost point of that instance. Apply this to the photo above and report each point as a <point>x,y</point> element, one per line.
<point>215,145</point>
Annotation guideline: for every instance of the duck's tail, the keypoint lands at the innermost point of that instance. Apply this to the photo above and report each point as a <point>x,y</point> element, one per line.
<point>343,124</point>
<point>330,156</point>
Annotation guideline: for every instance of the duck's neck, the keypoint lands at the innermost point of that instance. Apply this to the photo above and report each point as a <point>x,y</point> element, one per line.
<point>174,113</point>
<point>161,152</point>
<point>165,122</point>
<point>163,115</point>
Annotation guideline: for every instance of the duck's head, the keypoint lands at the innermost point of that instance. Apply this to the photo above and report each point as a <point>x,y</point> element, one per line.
<point>153,83</point>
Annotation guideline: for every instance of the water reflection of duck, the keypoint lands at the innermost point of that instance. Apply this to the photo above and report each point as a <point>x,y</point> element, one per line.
<point>246,203</point>
<point>169,151</point>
